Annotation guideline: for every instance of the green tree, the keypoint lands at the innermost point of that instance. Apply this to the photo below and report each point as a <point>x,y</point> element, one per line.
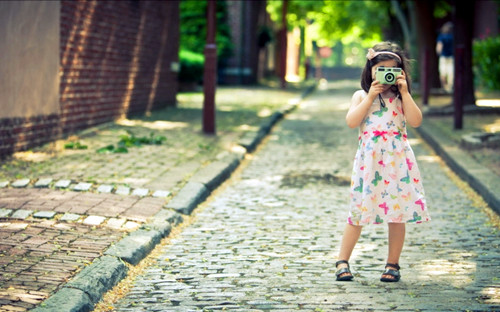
<point>193,30</point>
<point>347,26</point>
<point>193,34</point>
<point>335,21</point>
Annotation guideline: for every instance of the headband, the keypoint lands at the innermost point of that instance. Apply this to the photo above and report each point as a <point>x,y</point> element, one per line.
<point>371,54</point>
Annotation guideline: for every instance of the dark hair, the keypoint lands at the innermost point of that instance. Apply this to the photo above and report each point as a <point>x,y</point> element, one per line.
<point>366,75</point>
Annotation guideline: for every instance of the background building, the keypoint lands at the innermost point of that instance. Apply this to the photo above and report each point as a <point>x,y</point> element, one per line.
<point>69,65</point>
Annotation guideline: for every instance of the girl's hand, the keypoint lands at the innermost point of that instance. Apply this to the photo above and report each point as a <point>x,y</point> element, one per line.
<point>376,88</point>
<point>402,83</point>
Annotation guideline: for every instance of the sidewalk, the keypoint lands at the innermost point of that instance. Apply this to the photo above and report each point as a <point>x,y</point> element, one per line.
<point>269,239</point>
<point>62,209</point>
<point>56,232</point>
<point>466,151</point>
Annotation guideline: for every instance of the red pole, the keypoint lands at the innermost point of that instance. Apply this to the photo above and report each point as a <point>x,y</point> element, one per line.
<point>425,78</point>
<point>458,87</point>
<point>209,74</point>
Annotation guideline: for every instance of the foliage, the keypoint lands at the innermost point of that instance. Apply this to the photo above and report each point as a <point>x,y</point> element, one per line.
<point>349,27</point>
<point>193,31</point>
<point>487,62</point>
<point>75,145</point>
<point>332,21</point>
<point>191,66</point>
<point>442,9</point>
<point>130,140</point>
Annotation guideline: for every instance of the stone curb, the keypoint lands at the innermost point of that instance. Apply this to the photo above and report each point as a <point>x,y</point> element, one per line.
<point>137,245</point>
<point>467,109</point>
<point>217,172</point>
<point>75,295</point>
<point>480,178</point>
<point>66,299</point>
<point>192,194</point>
<point>87,287</point>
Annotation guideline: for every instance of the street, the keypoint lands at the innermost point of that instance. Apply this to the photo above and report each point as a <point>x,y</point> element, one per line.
<point>269,239</point>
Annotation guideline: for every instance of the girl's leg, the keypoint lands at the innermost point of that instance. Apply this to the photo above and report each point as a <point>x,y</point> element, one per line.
<point>396,241</point>
<point>349,240</point>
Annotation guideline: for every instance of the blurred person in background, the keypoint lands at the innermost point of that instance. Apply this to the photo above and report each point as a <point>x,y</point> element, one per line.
<point>444,49</point>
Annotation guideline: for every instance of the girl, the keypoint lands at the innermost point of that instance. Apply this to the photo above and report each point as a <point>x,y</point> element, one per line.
<point>386,186</point>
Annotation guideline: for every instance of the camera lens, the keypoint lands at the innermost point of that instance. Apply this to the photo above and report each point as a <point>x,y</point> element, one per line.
<point>389,77</point>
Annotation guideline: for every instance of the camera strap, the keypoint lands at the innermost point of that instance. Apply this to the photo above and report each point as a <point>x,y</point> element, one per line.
<point>382,102</point>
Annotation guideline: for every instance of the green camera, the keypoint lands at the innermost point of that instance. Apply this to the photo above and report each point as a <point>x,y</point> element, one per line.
<point>387,75</point>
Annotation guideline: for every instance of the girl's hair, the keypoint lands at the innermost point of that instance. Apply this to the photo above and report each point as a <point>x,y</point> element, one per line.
<point>403,63</point>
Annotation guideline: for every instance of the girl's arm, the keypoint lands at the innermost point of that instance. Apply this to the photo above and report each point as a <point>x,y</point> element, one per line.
<point>411,111</point>
<point>360,104</point>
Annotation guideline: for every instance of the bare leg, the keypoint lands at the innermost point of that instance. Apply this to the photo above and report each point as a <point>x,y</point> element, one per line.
<point>396,241</point>
<point>349,240</point>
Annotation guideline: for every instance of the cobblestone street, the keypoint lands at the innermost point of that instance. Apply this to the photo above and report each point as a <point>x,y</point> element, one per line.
<point>269,240</point>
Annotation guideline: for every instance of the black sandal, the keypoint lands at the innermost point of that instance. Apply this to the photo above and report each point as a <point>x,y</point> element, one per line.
<point>395,275</point>
<point>347,271</point>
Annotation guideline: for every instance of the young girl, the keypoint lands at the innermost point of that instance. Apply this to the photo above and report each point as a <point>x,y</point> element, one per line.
<point>386,186</point>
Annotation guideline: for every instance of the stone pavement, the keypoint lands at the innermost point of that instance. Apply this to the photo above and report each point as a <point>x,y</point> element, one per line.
<point>268,240</point>
<point>66,215</point>
<point>480,167</point>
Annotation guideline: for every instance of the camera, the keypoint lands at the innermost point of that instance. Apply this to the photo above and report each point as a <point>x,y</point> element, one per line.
<point>387,75</point>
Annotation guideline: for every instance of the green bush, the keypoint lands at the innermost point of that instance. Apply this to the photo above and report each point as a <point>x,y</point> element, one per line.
<point>486,57</point>
<point>191,66</point>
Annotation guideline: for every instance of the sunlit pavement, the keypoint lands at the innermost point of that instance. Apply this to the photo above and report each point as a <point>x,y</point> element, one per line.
<point>268,241</point>
<point>60,209</point>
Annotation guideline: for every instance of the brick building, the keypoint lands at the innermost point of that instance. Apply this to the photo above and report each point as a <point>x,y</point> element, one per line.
<point>69,65</point>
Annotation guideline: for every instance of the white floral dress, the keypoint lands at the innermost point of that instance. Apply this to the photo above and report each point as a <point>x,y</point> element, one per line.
<point>386,185</point>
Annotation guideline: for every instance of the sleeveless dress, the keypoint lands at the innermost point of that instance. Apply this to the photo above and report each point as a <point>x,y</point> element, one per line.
<point>386,185</point>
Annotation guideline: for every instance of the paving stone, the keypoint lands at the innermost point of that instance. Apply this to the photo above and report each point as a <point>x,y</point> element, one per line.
<point>20,183</point>
<point>45,182</point>
<point>94,220</point>
<point>70,217</point>
<point>122,190</point>
<point>115,223</point>
<point>62,184</point>
<point>105,188</point>
<point>131,225</point>
<point>274,232</point>
<point>160,193</point>
<point>5,212</point>
<point>22,214</point>
<point>44,214</point>
<point>82,187</point>
<point>140,192</point>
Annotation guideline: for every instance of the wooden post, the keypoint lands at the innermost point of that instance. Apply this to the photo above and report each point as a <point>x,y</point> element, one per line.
<point>210,71</point>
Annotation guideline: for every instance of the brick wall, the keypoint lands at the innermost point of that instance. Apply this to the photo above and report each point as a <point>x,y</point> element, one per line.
<point>17,134</point>
<point>115,60</point>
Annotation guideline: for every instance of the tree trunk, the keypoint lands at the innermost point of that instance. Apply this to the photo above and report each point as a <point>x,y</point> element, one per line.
<point>403,22</point>
<point>426,40</point>
<point>463,24</point>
